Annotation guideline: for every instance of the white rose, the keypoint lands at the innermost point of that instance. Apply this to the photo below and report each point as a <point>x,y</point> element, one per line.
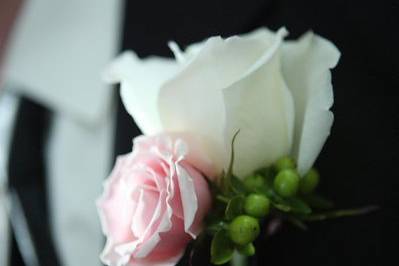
<point>277,93</point>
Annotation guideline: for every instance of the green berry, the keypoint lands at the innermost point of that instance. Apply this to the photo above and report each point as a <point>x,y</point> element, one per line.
<point>309,182</point>
<point>244,229</point>
<point>247,250</point>
<point>285,162</point>
<point>253,182</point>
<point>257,205</point>
<point>286,183</point>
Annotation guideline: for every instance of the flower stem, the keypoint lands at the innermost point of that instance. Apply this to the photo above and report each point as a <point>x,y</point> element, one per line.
<point>339,213</point>
<point>223,199</point>
<point>238,260</point>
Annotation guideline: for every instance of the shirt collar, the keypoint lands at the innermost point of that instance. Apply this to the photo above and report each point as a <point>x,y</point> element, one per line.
<point>58,52</point>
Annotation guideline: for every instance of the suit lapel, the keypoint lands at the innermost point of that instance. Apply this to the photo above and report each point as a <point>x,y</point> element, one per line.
<point>27,181</point>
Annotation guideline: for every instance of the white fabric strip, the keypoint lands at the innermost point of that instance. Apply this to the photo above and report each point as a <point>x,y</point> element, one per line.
<point>58,51</point>
<point>8,107</point>
<point>79,160</point>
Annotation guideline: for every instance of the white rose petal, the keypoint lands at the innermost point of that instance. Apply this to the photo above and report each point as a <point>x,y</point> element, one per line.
<point>261,107</point>
<point>277,93</point>
<point>188,197</point>
<point>188,54</point>
<point>141,81</point>
<point>306,69</point>
<point>193,101</point>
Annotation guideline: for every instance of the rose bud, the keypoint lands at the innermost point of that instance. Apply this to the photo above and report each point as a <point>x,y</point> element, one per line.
<point>153,204</point>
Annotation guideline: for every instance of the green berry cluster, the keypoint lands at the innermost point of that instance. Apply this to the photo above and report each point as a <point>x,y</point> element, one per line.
<point>241,206</point>
<point>245,228</point>
<point>287,181</point>
<point>246,204</point>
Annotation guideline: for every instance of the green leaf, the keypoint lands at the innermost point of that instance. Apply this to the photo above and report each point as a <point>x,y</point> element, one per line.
<point>276,200</point>
<point>292,204</point>
<point>274,197</point>
<point>281,207</point>
<point>216,226</point>
<point>298,206</point>
<point>234,207</point>
<point>237,185</point>
<point>318,202</point>
<point>247,250</point>
<point>222,248</point>
<point>266,172</point>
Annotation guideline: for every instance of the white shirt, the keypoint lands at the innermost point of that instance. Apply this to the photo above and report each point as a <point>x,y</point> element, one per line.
<point>8,106</point>
<point>56,55</point>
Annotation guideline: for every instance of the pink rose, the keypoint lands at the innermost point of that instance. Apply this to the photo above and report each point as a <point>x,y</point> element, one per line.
<point>153,204</point>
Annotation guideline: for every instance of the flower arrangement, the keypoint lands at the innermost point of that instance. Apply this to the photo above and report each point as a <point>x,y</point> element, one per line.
<point>231,128</point>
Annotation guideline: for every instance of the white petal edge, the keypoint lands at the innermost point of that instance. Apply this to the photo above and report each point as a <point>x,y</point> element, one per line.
<point>186,56</point>
<point>177,52</point>
<point>188,197</point>
<point>306,68</point>
<point>140,81</point>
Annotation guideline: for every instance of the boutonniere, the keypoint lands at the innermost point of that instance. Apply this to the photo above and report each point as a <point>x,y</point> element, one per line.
<point>232,128</point>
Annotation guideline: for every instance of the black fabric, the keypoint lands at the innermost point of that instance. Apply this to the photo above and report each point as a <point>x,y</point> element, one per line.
<point>125,131</point>
<point>27,177</point>
<point>359,161</point>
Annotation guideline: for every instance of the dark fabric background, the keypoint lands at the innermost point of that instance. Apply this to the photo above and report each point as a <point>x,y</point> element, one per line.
<point>28,183</point>
<point>359,161</point>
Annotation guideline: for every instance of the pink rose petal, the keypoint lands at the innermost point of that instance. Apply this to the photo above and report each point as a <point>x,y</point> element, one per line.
<point>153,203</point>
